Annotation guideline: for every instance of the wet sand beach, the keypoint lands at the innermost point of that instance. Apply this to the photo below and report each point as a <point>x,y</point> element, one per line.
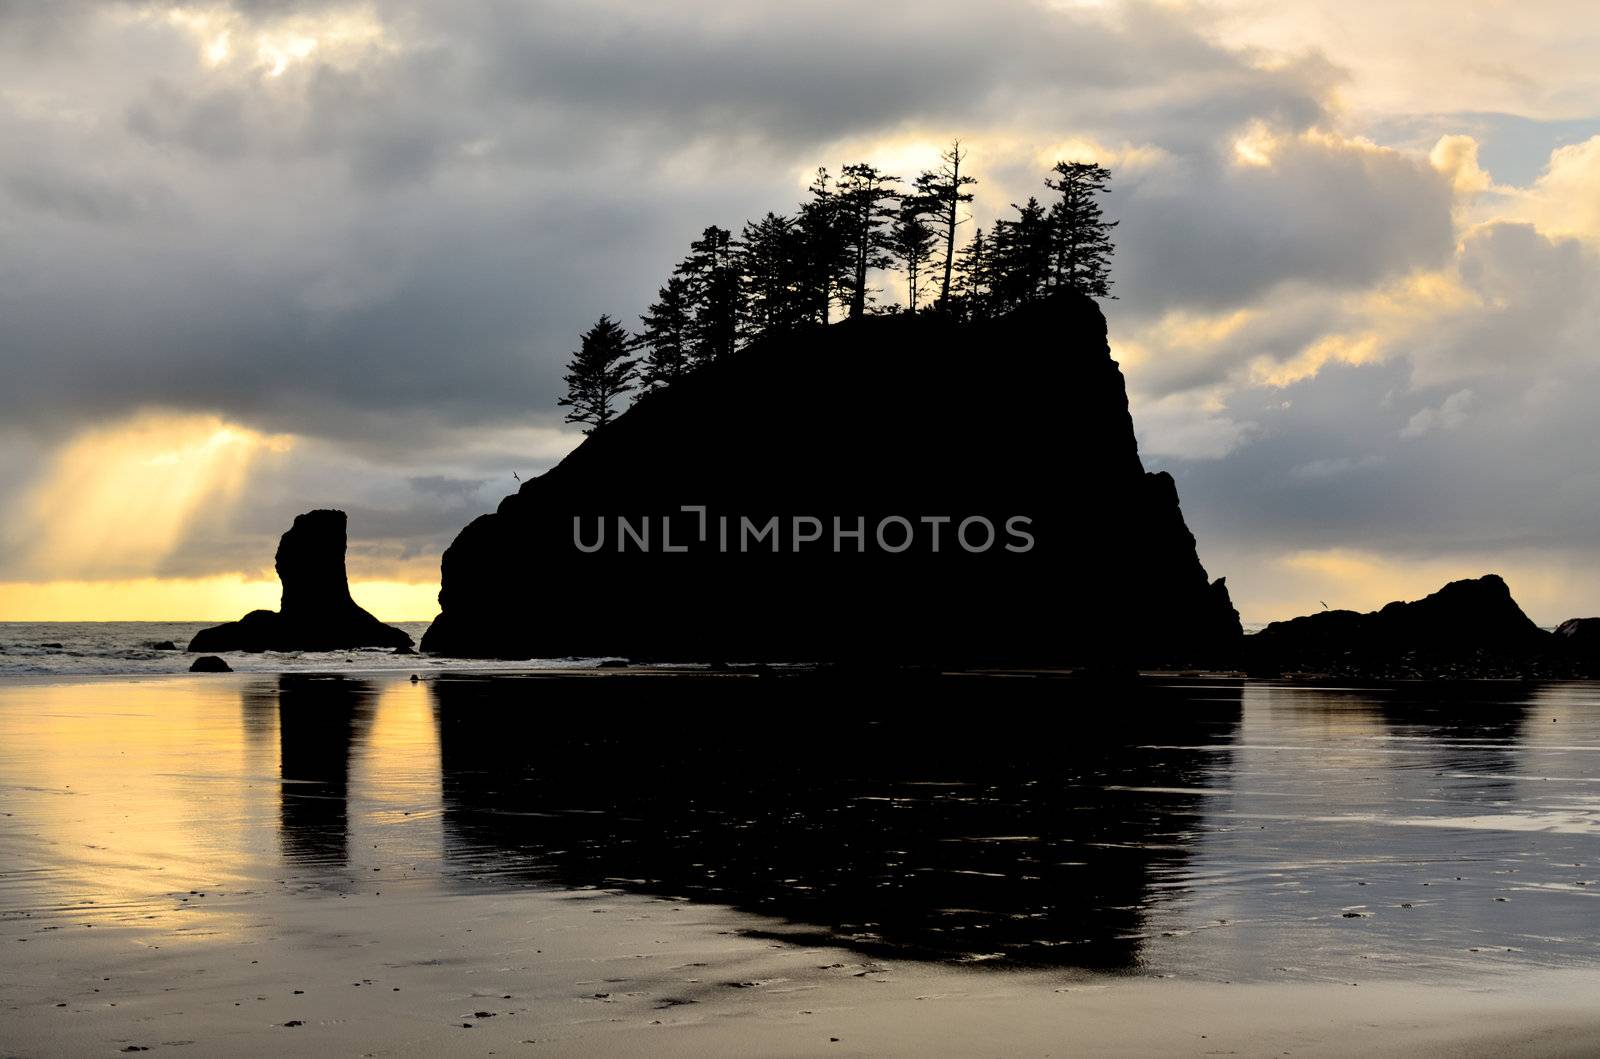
<point>597,864</point>
<point>602,973</point>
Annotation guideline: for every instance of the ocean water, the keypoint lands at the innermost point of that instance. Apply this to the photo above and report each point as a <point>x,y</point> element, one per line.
<point>118,648</point>
<point>1224,831</point>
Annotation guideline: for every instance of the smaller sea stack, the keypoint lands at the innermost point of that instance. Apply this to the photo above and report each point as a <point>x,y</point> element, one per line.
<point>316,613</point>
<point>1467,629</point>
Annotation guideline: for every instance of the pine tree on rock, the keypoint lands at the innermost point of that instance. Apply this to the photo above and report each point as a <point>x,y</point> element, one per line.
<point>911,241</point>
<point>666,337</point>
<point>1022,252</point>
<point>942,191</point>
<point>785,272</point>
<point>865,204</point>
<point>599,373</point>
<point>825,260</point>
<point>970,295</point>
<point>771,262</point>
<point>1081,234</point>
<point>712,276</point>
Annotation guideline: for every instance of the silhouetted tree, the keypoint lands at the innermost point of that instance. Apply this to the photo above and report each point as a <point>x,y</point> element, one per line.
<point>600,372</point>
<point>1021,254</point>
<point>712,278</point>
<point>941,190</point>
<point>786,271</point>
<point>666,337</point>
<point>970,293</point>
<point>826,264</point>
<point>911,242</point>
<point>1082,236</point>
<point>865,196</point>
<point>772,259</point>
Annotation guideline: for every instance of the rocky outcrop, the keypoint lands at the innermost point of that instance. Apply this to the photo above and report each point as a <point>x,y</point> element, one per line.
<point>210,664</point>
<point>316,612</point>
<point>1580,634</point>
<point>1469,628</point>
<point>897,489</point>
<point>1578,639</point>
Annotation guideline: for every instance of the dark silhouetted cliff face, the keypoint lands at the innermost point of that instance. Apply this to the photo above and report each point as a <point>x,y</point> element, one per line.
<point>865,422</point>
<point>317,613</point>
<point>1467,628</point>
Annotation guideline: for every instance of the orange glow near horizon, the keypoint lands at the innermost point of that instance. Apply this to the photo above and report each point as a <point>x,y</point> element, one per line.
<point>115,502</point>
<point>1549,588</point>
<point>211,599</point>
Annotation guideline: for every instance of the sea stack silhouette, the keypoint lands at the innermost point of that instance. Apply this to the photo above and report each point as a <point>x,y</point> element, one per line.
<point>1579,640</point>
<point>316,612</point>
<point>828,494</point>
<point>1469,628</point>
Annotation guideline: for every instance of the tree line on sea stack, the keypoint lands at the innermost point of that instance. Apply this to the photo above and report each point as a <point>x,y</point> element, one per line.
<point>785,272</point>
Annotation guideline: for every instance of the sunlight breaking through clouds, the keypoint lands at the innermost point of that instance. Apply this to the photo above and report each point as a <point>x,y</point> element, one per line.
<point>271,45</point>
<point>117,500</point>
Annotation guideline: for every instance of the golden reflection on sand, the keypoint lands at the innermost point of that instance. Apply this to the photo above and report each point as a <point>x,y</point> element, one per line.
<point>159,802</point>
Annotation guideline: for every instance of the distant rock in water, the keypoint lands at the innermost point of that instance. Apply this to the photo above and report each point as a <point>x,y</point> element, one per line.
<point>893,489</point>
<point>316,613</point>
<point>1579,640</point>
<point>1580,634</point>
<point>1469,628</point>
<point>210,664</point>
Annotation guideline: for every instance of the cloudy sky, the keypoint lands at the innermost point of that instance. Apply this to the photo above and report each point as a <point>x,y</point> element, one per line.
<point>268,255</point>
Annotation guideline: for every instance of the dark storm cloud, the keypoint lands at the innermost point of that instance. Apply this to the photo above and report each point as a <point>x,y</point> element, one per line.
<point>414,232</point>
<point>820,71</point>
<point>1323,212</point>
<point>1480,440</point>
<point>76,198</point>
<point>462,490</point>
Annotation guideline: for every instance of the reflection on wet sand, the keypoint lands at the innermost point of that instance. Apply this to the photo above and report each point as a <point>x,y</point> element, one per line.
<point>956,817</point>
<point>1396,827</point>
<point>1263,832</point>
<point>1470,728</point>
<point>249,867</point>
<point>322,722</point>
